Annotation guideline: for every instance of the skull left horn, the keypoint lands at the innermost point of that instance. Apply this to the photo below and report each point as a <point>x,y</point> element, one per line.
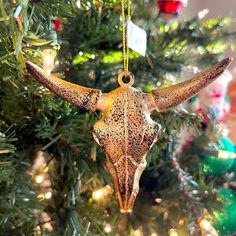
<point>86,98</point>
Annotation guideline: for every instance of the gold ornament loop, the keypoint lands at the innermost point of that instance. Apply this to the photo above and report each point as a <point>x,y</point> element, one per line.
<point>125,20</point>
<point>126,74</point>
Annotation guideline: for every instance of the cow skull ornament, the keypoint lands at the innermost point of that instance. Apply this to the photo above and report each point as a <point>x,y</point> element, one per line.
<point>126,131</point>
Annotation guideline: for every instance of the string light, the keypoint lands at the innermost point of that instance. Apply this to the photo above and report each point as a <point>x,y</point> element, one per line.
<point>41,196</point>
<point>203,13</point>
<point>107,228</point>
<point>181,222</point>
<point>48,227</point>
<point>48,195</point>
<point>102,193</point>
<point>97,195</point>
<point>88,6</point>
<point>173,232</point>
<point>137,232</point>
<point>158,200</point>
<point>39,179</point>
<point>153,234</point>
<point>205,225</point>
<point>48,60</point>
<point>78,4</point>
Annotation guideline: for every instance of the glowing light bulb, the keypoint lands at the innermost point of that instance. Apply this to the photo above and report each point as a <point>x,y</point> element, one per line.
<point>48,60</point>
<point>153,234</point>
<point>181,222</point>
<point>137,233</point>
<point>158,200</point>
<point>41,196</point>
<point>48,195</point>
<point>203,13</point>
<point>97,195</point>
<point>48,227</point>
<point>102,193</point>
<point>107,228</point>
<point>88,6</point>
<point>39,179</point>
<point>78,4</point>
<point>185,2</point>
<point>173,232</point>
<point>205,225</point>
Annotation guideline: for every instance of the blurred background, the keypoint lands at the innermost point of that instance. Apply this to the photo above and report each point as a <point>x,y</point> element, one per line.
<point>219,8</point>
<point>216,8</point>
<point>53,180</point>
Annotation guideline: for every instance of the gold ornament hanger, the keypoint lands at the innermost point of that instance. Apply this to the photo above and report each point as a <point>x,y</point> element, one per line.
<point>124,34</point>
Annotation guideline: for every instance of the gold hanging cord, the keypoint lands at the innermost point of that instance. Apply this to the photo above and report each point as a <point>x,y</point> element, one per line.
<point>124,34</point>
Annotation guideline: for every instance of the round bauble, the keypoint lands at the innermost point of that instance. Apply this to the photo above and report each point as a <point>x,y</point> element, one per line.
<point>170,6</point>
<point>218,165</point>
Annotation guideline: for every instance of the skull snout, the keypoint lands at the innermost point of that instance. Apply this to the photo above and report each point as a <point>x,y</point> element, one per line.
<point>127,206</point>
<point>127,187</point>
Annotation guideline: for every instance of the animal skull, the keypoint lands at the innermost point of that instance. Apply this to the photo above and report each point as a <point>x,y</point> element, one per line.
<point>126,131</point>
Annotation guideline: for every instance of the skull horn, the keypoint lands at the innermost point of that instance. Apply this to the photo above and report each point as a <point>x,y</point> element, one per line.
<point>87,98</point>
<point>163,99</point>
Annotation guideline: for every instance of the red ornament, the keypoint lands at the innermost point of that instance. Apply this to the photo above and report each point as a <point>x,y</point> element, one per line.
<point>181,177</point>
<point>56,23</point>
<point>170,6</point>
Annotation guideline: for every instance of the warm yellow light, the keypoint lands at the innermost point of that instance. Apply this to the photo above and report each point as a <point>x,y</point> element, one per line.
<point>102,194</point>
<point>39,179</point>
<point>153,234</point>
<point>107,228</point>
<point>48,195</point>
<point>48,227</point>
<point>158,200</point>
<point>205,225</point>
<point>173,232</point>
<point>137,233</point>
<point>48,60</point>
<point>181,222</point>
<point>41,196</point>
<point>97,195</point>
<point>207,228</point>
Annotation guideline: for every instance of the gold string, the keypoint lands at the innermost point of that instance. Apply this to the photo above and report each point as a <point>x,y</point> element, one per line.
<point>124,34</point>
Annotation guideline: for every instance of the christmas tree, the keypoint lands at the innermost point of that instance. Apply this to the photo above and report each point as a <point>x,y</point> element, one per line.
<point>52,175</point>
